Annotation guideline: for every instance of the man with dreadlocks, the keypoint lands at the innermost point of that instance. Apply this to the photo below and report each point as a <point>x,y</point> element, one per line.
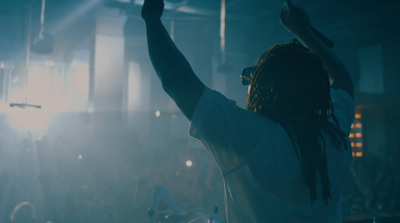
<point>285,157</point>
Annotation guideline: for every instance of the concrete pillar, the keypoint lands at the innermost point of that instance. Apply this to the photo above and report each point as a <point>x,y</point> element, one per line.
<point>109,62</point>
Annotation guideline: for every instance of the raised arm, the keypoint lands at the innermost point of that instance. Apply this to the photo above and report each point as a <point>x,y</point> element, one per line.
<point>296,20</point>
<point>174,71</point>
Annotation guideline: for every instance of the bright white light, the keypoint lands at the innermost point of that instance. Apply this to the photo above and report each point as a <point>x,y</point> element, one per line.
<point>51,88</point>
<point>134,86</point>
<point>189,163</point>
<point>222,26</point>
<point>158,113</point>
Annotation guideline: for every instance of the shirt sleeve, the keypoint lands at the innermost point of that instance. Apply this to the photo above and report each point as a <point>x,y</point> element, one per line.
<point>228,132</point>
<point>344,109</point>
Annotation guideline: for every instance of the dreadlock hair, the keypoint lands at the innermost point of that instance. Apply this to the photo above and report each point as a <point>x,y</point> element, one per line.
<point>291,87</point>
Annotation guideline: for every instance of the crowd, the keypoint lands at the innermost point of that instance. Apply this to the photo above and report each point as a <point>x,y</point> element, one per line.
<point>101,177</point>
<point>373,187</point>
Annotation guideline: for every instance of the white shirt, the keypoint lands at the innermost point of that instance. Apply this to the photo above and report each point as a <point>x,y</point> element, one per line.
<point>262,174</point>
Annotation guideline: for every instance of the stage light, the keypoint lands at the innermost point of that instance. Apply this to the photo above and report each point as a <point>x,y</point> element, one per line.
<point>189,163</point>
<point>158,114</point>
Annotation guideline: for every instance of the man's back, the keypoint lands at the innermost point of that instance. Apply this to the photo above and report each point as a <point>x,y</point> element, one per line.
<point>263,176</point>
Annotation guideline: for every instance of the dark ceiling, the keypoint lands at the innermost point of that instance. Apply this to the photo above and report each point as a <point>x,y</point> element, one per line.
<point>72,21</point>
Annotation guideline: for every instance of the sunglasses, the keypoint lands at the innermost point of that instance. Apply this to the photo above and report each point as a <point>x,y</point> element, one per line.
<point>247,75</point>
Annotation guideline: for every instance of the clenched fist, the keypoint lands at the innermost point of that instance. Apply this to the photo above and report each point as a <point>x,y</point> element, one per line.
<point>152,9</point>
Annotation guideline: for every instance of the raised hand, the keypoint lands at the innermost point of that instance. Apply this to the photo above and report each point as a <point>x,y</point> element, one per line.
<point>294,18</point>
<point>152,9</point>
